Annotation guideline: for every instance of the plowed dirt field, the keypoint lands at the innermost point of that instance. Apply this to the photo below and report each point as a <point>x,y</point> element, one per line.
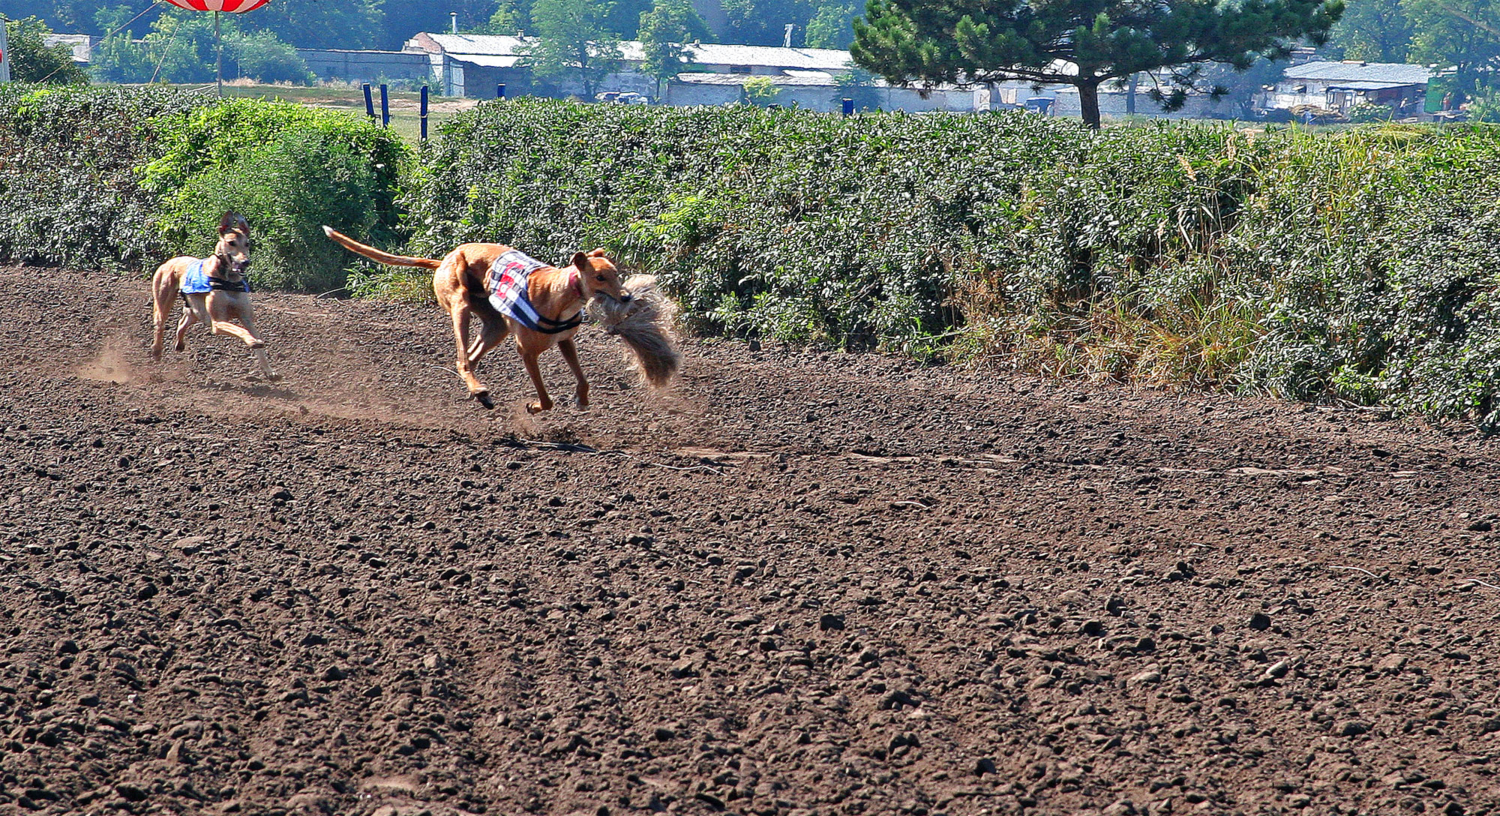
<point>801,583</point>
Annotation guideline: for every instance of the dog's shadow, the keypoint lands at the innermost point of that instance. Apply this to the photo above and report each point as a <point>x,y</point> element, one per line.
<point>264,391</point>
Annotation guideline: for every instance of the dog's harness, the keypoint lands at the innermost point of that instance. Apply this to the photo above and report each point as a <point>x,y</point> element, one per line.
<point>507,284</point>
<point>197,281</point>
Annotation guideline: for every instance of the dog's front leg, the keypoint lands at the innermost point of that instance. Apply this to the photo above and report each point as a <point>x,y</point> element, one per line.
<point>543,402</point>
<point>247,316</point>
<point>570,353</point>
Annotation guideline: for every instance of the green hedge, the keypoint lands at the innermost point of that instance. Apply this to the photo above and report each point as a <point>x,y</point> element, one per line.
<point>69,193</point>
<point>1357,265</point>
<point>125,178</point>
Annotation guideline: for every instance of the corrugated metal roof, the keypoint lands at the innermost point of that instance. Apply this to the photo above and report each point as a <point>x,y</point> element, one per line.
<point>462,46</point>
<point>487,60</point>
<point>1394,73</point>
<point>820,79</point>
<point>1368,86</point>
<point>807,59</point>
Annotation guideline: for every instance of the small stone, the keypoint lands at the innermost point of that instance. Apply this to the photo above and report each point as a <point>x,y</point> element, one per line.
<point>983,766</point>
<point>190,545</point>
<point>433,662</point>
<point>1353,728</point>
<point>1260,622</point>
<point>1072,598</point>
<point>1391,663</point>
<point>662,734</point>
<point>146,592</point>
<point>334,673</point>
<point>1143,678</point>
<point>1092,628</point>
<point>831,623</point>
<point>130,793</point>
<point>1277,670</point>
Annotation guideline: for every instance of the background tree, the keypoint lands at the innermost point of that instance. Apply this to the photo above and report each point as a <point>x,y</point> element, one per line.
<point>323,24</point>
<point>763,22</point>
<point>1373,30</point>
<point>404,18</point>
<point>761,90</point>
<point>832,26</point>
<point>573,44</point>
<point>61,16</point>
<point>1462,33</point>
<point>32,60</point>
<point>666,33</point>
<point>1082,43</point>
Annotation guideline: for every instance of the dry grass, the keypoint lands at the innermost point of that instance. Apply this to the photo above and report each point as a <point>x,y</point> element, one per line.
<point>646,325</point>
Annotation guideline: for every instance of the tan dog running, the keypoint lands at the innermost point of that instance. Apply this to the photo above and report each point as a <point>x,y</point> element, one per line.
<point>214,291</point>
<point>511,293</point>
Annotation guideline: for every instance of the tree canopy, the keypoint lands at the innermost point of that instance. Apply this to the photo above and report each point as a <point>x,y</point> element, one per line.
<point>573,44</point>
<point>665,34</point>
<point>1083,43</point>
<point>32,60</point>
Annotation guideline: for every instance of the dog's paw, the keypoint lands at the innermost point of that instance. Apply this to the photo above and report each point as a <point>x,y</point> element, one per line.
<point>257,344</point>
<point>484,399</point>
<point>274,376</point>
<point>535,407</point>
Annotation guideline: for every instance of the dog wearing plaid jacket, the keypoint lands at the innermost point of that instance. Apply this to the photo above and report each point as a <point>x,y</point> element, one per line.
<point>513,294</point>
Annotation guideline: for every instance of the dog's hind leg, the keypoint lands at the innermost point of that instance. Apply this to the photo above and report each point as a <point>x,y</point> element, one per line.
<point>570,353</point>
<point>160,312</point>
<point>460,313</point>
<point>191,313</point>
<point>493,331</point>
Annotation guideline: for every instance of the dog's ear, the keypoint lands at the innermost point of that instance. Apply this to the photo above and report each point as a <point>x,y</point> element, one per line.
<point>581,262</point>
<point>234,221</point>
<point>598,253</point>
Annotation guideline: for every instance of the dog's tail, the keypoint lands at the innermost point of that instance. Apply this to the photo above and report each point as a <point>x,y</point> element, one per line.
<point>376,255</point>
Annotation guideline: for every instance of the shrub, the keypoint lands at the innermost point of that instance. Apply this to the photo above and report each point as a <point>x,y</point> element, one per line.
<point>1356,265</point>
<point>69,193</point>
<point>287,168</point>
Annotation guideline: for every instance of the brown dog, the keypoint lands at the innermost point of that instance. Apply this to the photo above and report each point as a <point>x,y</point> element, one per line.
<point>214,291</point>
<point>511,293</point>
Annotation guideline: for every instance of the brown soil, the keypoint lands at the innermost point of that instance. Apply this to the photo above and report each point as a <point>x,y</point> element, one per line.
<point>802,583</point>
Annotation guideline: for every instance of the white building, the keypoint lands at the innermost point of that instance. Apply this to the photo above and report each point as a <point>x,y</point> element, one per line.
<point>1343,86</point>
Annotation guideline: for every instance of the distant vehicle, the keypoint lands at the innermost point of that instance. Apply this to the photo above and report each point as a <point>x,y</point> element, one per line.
<point>1040,104</point>
<point>622,98</point>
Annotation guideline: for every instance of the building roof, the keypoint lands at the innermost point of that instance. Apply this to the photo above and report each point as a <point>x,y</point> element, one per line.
<point>468,46</point>
<point>815,79</point>
<point>1392,73</point>
<point>1368,86</point>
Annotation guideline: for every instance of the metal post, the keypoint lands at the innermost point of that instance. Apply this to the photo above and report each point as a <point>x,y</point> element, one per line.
<point>385,108</point>
<point>369,103</point>
<point>424,113</point>
<point>218,56</point>
<point>4,53</point>
<point>848,106</point>
<point>500,91</point>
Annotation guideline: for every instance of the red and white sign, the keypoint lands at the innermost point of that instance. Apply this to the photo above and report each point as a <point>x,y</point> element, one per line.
<point>230,6</point>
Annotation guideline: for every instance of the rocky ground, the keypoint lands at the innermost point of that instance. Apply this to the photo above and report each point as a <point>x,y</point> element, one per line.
<point>801,583</point>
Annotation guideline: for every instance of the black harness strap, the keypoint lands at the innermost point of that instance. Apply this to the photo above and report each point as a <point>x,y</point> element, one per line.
<point>550,326</point>
<point>241,285</point>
